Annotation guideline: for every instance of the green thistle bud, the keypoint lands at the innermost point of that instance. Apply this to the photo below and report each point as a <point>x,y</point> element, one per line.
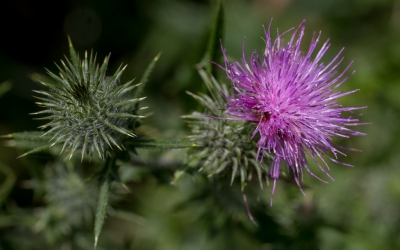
<point>223,145</point>
<point>70,195</point>
<point>88,111</point>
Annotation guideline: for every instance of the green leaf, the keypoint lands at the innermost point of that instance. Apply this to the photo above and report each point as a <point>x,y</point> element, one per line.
<point>106,177</point>
<point>213,51</point>
<point>101,208</point>
<point>35,140</point>
<point>145,77</point>
<point>36,136</point>
<point>158,144</point>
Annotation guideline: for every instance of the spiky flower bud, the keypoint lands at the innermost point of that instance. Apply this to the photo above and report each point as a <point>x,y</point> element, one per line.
<point>67,191</point>
<point>88,111</point>
<point>223,145</point>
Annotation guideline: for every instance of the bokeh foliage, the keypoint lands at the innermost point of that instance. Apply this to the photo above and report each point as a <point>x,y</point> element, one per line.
<point>357,211</point>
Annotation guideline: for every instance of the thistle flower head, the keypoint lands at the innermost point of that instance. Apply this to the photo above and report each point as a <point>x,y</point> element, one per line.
<point>88,111</point>
<point>290,97</point>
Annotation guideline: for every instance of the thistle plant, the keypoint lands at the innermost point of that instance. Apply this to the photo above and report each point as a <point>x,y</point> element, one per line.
<point>87,110</point>
<point>278,105</point>
<point>290,100</point>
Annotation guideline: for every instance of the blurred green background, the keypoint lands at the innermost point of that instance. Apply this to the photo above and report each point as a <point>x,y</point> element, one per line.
<point>359,210</point>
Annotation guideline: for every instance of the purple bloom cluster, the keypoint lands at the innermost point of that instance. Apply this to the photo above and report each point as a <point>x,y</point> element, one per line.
<point>290,96</point>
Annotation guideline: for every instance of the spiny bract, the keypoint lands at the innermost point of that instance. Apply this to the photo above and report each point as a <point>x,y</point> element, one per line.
<point>88,111</point>
<point>222,144</point>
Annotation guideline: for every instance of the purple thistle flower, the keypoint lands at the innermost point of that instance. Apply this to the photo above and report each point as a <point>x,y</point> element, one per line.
<point>291,99</point>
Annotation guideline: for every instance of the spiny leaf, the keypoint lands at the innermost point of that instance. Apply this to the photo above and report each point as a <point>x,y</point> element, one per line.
<point>39,149</point>
<point>213,51</point>
<point>101,208</point>
<point>35,136</point>
<point>145,77</point>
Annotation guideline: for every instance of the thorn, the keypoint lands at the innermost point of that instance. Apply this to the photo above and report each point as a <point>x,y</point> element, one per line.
<point>69,41</point>
<point>22,155</point>
<point>6,136</point>
<point>126,188</point>
<point>95,241</point>
<point>157,56</point>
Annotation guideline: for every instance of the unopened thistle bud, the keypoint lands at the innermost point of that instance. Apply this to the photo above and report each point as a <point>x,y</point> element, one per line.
<point>88,111</point>
<point>224,147</point>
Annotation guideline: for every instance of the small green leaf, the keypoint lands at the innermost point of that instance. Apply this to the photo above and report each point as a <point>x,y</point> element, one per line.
<point>213,51</point>
<point>145,77</point>
<point>36,136</point>
<point>101,208</point>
